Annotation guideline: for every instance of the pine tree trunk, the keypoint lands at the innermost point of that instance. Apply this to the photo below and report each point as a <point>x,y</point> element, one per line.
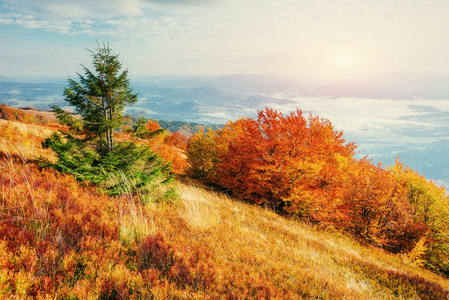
<point>110,137</point>
<point>108,132</point>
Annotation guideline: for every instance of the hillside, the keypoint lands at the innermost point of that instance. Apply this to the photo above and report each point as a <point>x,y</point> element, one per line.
<point>27,115</point>
<point>63,239</point>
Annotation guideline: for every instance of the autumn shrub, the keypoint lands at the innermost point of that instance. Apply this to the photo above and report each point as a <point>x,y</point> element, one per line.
<point>60,239</point>
<point>202,155</point>
<point>123,283</point>
<point>430,206</point>
<point>155,253</point>
<point>46,220</point>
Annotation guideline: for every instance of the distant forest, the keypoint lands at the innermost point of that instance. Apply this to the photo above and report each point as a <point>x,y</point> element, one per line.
<point>174,126</point>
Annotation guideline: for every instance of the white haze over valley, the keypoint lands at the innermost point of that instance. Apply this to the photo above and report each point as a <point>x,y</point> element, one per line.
<point>386,128</point>
<point>376,118</point>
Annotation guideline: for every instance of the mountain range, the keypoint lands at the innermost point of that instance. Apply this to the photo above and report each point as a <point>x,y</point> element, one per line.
<point>217,99</point>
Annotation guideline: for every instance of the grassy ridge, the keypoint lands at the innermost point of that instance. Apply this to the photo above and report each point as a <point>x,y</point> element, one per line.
<point>20,115</point>
<point>61,239</point>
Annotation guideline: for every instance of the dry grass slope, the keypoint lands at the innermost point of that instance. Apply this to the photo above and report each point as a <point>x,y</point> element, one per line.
<point>300,259</point>
<point>62,239</point>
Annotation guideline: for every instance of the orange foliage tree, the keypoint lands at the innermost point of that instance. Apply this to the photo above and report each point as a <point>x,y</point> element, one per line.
<point>152,126</point>
<point>202,155</point>
<point>204,147</point>
<point>176,139</point>
<point>285,161</point>
<point>377,207</point>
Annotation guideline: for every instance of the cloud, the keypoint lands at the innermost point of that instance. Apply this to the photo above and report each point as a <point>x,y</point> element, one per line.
<point>69,17</point>
<point>182,2</point>
<point>6,21</point>
<point>143,19</point>
<point>30,21</point>
<point>77,9</point>
<point>219,36</point>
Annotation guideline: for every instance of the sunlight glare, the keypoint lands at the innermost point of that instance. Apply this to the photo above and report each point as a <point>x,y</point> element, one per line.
<point>344,59</point>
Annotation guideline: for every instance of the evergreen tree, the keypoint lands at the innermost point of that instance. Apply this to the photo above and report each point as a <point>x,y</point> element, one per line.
<point>87,149</point>
<point>99,99</point>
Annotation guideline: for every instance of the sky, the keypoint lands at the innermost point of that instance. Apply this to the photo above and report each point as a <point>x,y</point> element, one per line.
<point>321,39</point>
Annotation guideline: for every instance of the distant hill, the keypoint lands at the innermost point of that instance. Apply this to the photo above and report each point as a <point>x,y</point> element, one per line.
<point>205,100</point>
<point>38,95</point>
<point>202,104</point>
<point>396,85</point>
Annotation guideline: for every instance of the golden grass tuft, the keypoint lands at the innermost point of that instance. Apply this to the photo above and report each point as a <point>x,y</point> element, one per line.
<point>136,221</point>
<point>198,210</point>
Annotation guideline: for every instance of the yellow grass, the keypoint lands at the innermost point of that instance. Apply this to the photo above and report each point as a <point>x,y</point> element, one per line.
<point>238,231</point>
<point>24,140</point>
<point>36,131</point>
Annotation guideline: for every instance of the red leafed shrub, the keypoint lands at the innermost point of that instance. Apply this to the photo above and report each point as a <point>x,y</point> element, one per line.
<point>48,225</point>
<point>155,253</point>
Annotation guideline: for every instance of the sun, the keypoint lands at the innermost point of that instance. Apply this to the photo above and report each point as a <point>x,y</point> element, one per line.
<point>344,59</point>
<point>339,64</point>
